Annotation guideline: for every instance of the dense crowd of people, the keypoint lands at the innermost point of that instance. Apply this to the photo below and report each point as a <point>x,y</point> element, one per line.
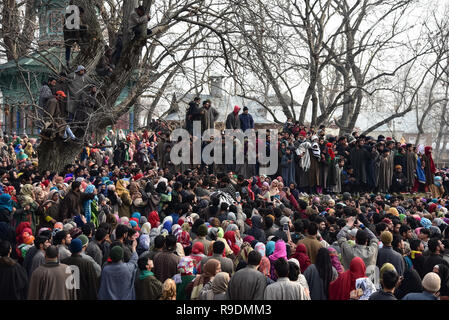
<point>341,220</point>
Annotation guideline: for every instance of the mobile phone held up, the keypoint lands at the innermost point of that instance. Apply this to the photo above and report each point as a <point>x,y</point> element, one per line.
<point>285,227</point>
<point>237,194</point>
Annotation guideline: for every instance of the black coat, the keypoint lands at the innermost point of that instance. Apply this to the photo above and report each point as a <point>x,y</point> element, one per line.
<point>14,280</point>
<point>89,283</point>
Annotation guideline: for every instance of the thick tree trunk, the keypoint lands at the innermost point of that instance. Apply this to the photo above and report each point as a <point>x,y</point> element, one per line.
<point>55,155</point>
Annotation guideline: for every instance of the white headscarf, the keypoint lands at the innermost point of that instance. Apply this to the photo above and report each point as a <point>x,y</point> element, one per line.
<point>316,149</point>
<point>421,149</point>
<point>305,159</point>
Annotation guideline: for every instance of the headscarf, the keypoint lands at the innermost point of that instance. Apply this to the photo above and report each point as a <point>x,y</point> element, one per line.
<point>229,236</point>
<point>120,188</point>
<point>330,150</point>
<point>26,196</point>
<point>420,175</point>
<point>9,190</point>
<point>280,251</point>
<point>269,248</point>
<point>146,228</point>
<point>87,206</point>
<point>198,248</point>
<point>305,159</point>
<point>6,202</point>
<point>429,156</point>
<point>260,247</point>
<point>244,252</point>
<point>426,223</point>
<point>265,266</point>
<point>302,257</point>
<point>341,288</point>
<point>209,272</point>
<point>335,260</point>
<point>153,219</point>
<point>144,242</point>
<point>186,266</point>
<point>124,220</point>
<point>249,239</point>
<point>134,191</point>
<point>184,239</point>
<point>220,282</point>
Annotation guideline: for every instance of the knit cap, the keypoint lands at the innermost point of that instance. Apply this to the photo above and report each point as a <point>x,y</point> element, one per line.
<point>75,246</point>
<point>84,240</point>
<point>431,282</point>
<point>387,238</point>
<point>116,254</point>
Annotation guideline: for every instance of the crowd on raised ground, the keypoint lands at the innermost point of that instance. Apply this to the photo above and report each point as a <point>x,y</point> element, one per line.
<point>339,220</point>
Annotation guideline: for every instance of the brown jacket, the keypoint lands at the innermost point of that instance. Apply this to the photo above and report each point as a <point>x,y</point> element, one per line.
<point>312,245</point>
<point>72,204</point>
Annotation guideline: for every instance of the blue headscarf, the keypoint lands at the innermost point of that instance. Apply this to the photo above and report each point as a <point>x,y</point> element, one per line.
<point>5,202</point>
<point>426,223</point>
<point>167,226</point>
<point>136,215</point>
<point>420,172</point>
<point>88,203</point>
<point>269,248</point>
<point>175,217</point>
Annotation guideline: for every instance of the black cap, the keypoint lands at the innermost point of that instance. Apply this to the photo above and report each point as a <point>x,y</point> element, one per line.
<point>245,108</point>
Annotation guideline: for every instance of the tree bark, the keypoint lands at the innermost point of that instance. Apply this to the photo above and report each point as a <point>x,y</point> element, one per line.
<point>55,155</point>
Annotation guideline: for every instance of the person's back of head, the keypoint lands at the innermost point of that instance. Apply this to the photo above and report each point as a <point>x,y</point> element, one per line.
<point>100,234</point>
<point>218,247</point>
<point>5,247</point>
<point>281,267</point>
<point>414,244</point>
<point>170,242</point>
<point>142,263</point>
<point>312,229</point>
<point>224,206</point>
<point>268,222</point>
<point>254,258</point>
<point>159,242</point>
<point>121,231</point>
<point>389,279</point>
<point>361,237</point>
<point>86,229</point>
<point>293,271</point>
<point>51,252</point>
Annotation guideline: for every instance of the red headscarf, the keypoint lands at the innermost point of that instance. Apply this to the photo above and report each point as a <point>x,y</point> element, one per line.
<point>9,190</point>
<point>230,238</point>
<point>341,288</point>
<point>153,219</point>
<point>330,150</point>
<point>429,155</point>
<point>302,257</point>
<point>197,248</point>
<point>236,110</point>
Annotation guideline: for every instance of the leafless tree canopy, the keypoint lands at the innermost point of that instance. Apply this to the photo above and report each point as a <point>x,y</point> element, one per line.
<point>323,61</point>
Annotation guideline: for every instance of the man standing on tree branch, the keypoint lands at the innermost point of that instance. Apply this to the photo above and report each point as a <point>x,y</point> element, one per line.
<point>137,18</point>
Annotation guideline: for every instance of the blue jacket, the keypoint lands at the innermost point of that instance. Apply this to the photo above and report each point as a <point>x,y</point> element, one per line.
<point>117,280</point>
<point>246,121</point>
<point>420,296</point>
